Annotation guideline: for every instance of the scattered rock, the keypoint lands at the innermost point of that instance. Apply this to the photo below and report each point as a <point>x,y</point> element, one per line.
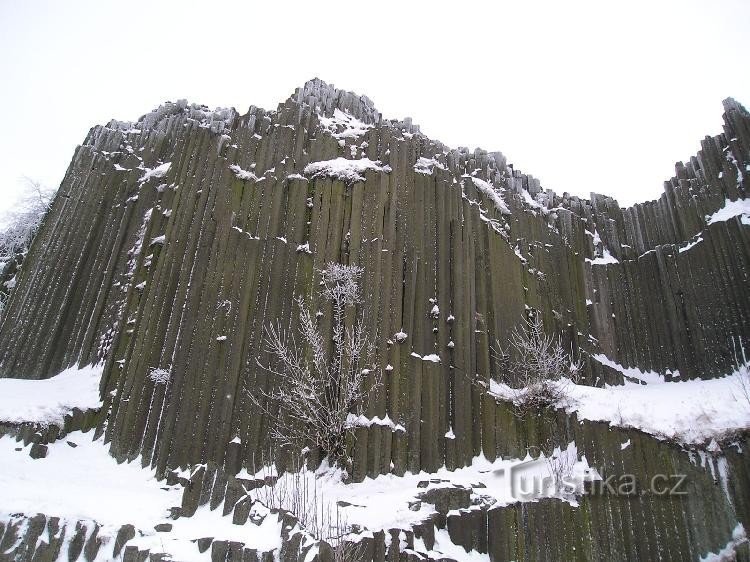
<point>38,451</point>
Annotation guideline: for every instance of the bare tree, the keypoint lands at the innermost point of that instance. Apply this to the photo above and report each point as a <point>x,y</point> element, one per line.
<point>23,220</point>
<point>535,366</point>
<point>314,390</point>
<point>20,226</point>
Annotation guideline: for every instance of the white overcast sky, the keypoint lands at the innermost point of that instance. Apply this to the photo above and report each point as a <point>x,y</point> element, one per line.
<point>587,97</point>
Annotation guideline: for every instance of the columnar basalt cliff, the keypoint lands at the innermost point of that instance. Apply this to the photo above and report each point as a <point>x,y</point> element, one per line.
<point>175,240</point>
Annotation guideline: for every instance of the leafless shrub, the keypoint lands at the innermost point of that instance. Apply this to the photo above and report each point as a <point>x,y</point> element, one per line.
<point>561,467</point>
<point>297,491</point>
<point>535,366</point>
<point>300,492</point>
<point>348,550</point>
<point>314,390</point>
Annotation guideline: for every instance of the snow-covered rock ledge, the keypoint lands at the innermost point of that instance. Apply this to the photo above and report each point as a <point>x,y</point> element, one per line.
<point>696,412</point>
<point>47,402</point>
<point>350,171</point>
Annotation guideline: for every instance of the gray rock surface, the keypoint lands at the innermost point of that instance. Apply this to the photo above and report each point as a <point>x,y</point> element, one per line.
<point>156,248</point>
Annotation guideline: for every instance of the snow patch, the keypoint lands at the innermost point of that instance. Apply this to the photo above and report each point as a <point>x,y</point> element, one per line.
<point>690,412</point>
<point>493,193</point>
<point>363,421</point>
<point>691,244</point>
<point>729,552</point>
<point>650,377</point>
<point>48,401</point>
<point>531,202</point>
<point>739,208</point>
<point>445,548</point>
<point>242,174</point>
<point>606,258</point>
<point>392,502</point>
<point>344,126</point>
<point>427,165</point>
<point>158,172</point>
<point>350,171</point>
<point>89,485</point>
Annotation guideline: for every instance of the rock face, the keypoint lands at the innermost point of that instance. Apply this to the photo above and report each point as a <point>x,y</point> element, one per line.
<point>175,240</point>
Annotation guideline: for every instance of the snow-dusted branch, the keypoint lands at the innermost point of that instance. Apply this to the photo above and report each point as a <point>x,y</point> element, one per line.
<point>23,220</point>
<point>20,225</point>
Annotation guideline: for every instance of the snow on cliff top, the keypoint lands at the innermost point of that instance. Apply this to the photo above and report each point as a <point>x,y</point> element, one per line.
<point>48,401</point>
<point>343,126</point>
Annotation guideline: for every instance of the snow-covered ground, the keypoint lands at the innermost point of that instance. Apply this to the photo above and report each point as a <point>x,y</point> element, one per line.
<point>694,412</point>
<point>390,501</point>
<point>79,480</point>
<point>48,401</point>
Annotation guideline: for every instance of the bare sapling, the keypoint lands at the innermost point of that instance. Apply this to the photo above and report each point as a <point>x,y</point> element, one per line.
<point>315,387</point>
<point>536,366</point>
